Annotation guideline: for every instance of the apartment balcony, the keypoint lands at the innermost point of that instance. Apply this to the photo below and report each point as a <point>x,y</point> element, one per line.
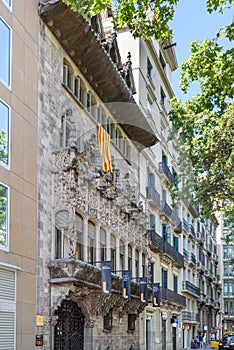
<point>170,296</point>
<point>170,251</point>
<point>177,223</point>
<point>188,287</point>
<point>157,244</point>
<point>194,210</point>
<point>153,197</point>
<point>192,231</point>
<point>166,210</point>
<point>165,171</point>
<point>192,259</point>
<point>190,317</point>
<point>156,241</point>
<point>186,254</point>
<point>185,225</point>
<point>79,273</point>
<point>202,298</point>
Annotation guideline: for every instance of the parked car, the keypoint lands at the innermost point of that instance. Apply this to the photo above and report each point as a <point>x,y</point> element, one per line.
<point>214,344</point>
<point>227,341</point>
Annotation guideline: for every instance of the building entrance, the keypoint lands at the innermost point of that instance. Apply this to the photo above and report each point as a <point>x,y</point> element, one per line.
<point>69,331</point>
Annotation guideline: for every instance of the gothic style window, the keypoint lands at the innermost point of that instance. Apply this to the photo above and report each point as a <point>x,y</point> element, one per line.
<point>107,321</point>
<point>129,257</point>
<point>103,244</point>
<point>62,244</point>
<point>113,253</point>
<point>91,242</point>
<point>79,227</point>
<point>137,263</point>
<point>121,255</point>
<point>131,322</point>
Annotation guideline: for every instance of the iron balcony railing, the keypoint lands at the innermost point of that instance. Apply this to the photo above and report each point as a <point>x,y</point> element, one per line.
<point>166,248</point>
<point>185,253</point>
<point>190,316</point>
<point>156,239</point>
<point>153,195</point>
<point>171,251</point>
<point>190,287</point>
<point>185,225</point>
<point>171,215</point>
<point>193,258</point>
<point>192,230</point>
<point>163,168</point>
<point>171,296</point>
<point>166,210</point>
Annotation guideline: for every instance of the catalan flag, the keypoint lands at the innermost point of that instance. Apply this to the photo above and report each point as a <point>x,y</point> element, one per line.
<point>104,146</point>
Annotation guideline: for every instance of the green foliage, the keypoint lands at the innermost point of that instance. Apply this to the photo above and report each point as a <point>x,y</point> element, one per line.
<point>144,18</point>
<point>206,123</point>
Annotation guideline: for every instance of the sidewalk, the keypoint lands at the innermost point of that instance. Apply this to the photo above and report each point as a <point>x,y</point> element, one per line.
<point>207,347</point>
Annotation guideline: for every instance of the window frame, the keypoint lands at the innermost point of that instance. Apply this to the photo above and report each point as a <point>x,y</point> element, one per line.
<point>5,83</point>
<point>9,6</point>
<point>6,246</point>
<point>108,320</point>
<point>9,306</point>
<point>8,136</point>
<point>131,322</point>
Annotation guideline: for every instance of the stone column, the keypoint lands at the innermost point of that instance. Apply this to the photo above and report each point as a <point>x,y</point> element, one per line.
<point>89,334</point>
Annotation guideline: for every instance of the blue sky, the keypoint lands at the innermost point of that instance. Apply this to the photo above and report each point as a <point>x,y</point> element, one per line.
<point>193,22</point>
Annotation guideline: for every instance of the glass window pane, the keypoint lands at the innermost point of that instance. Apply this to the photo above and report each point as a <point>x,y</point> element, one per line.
<point>4,133</point>
<point>3,216</point>
<point>5,52</point>
<point>7,2</point>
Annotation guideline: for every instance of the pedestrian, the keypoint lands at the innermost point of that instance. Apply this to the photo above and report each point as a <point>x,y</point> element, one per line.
<point>204,340</point>
<point>201,341</point>
<point>197,340</point>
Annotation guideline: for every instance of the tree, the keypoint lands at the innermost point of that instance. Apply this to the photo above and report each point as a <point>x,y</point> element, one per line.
<point>144,19</point>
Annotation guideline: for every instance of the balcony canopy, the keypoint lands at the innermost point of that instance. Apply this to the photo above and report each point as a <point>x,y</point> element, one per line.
<point>82,44</point>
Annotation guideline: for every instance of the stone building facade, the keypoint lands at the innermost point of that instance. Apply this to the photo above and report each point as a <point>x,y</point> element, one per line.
<point>87,216</point>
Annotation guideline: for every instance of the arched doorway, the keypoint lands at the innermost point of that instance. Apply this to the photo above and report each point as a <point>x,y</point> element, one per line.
<point>69,330</point>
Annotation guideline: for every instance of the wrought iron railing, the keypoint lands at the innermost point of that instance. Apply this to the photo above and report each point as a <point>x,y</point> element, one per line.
<point>190,287</point>
<point>156,239</point>
<point>152,194</point>
<point>163,168</point>
<point>171,296</point>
